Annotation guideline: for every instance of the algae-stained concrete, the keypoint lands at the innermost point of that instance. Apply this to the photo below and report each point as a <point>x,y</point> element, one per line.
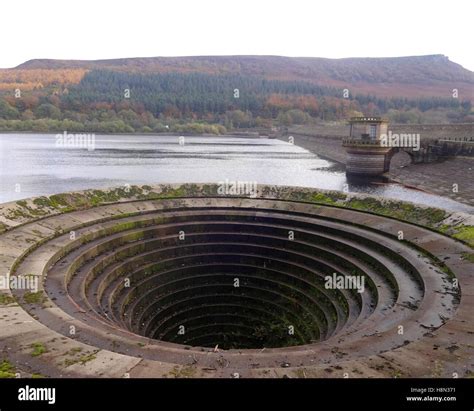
<point>428,292</point>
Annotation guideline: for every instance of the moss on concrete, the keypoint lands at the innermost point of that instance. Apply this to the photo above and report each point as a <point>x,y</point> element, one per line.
<point>6,299</point>
<point>433,218</point>
<point>169,192</point>
<point>400,210</point>
<point>183,372</point>
<point>330,198</point>
<point>468,256</point>
<point>86,358</point>
<point>34,298</point>
<point>465,233</point>
<point>77,358</point>
<point>38,349</point>
<point>7,370</point>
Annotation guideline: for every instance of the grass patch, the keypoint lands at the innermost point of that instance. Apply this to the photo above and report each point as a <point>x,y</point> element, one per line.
<point>59,200</point>
<point>6,299</point>
<point>6,370</point>
<point>86,358</point>
<point>468,256</point>
<point>83,359</point>
<point>41,202</point>
<point>38,349</point>
<point>34,298</point>
<point>184,372</point>
<point>16,214</point>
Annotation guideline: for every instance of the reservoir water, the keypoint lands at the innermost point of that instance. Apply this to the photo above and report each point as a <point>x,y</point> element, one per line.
<point>33,165</point>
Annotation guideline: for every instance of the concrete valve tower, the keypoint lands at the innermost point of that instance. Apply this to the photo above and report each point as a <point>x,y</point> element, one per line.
<point>365,153</point>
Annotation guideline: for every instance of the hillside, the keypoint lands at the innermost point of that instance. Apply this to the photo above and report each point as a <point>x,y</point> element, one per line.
<point>410,77</point>
<point>218,93</point>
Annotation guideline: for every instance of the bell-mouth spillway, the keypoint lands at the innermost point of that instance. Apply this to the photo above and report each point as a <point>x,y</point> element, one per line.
<point>208,285</point>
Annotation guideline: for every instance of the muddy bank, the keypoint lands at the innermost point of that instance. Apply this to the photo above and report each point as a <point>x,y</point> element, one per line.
<point>453,178</point>
<point>442,177</point>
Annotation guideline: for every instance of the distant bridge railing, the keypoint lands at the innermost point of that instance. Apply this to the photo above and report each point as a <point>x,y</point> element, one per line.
<point>359,142</point>
<point>468,140</point>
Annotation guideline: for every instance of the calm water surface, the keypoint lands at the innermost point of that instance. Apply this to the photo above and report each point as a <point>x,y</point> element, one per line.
<point>41,168</point>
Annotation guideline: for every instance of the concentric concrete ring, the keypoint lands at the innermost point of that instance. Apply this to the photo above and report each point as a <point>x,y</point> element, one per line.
<point>151,287</point>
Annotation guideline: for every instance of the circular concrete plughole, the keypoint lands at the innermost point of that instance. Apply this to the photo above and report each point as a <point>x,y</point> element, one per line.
<point>233,277</point>
<point>260,282</point>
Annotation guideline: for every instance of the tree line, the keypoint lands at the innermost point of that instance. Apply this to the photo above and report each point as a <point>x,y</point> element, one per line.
<point>112,101</point>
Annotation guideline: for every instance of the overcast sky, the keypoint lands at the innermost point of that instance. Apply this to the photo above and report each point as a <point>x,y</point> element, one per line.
<point>100,29</point>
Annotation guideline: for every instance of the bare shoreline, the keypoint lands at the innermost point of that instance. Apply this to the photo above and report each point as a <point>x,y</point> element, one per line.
<point>441,178</point>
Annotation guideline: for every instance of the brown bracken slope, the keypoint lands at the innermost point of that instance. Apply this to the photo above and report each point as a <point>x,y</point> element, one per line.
<point>411,77</point>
